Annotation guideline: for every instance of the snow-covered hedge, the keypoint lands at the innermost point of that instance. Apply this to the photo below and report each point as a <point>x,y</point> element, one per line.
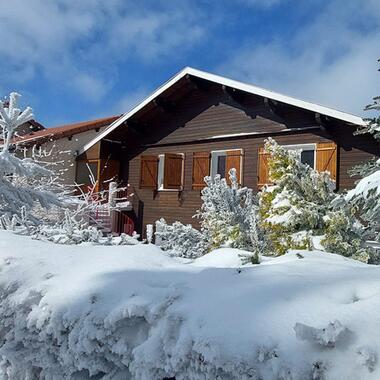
<point>72,312</point>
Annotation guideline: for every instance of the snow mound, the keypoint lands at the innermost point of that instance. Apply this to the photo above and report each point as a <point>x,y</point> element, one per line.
<point>133,312</point>
<point>221,258</point>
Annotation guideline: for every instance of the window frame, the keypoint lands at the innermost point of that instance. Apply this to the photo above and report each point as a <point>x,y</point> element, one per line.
<point>304,147</point>
<point>215,154</point>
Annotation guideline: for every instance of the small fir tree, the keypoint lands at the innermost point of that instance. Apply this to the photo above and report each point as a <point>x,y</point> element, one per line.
<point>228,218</point>
<point>365,197</point>
<point>228,213</point>
<point>294,208</point>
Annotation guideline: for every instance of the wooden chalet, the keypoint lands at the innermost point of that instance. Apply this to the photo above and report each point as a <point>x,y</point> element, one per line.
<point>199,124</point>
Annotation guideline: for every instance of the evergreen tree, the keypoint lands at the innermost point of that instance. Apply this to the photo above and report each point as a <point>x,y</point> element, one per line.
<point>228,218</point>
<point>228,213</point>
<point>365,197</point>
<point>294,208</point>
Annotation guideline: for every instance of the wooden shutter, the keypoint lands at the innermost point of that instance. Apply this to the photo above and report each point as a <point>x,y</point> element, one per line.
<point>173,169</point>
<point>149,170</point>
<point>263,169</point>
<point>201,169</point>
<point>234,160</point>
<point>326,158</point>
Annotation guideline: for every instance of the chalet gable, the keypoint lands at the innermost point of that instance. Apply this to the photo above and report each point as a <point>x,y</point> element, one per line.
<point>273,101</point>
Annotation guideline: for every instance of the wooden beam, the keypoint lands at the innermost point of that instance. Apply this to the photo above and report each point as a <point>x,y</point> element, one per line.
<point>321,120</point>
<point>164,105</point>
<point>196,83</point>
<point>234,94</point>
<point>137,127</point>
<point>273,107</point>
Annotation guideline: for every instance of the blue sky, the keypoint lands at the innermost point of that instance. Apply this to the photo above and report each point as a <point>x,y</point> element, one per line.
<point>77,60</point>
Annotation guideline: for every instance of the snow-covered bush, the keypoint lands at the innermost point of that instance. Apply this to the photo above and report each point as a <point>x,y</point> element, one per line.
<point>293,208</point>
<point>181,240</point>
<point>21,180</point>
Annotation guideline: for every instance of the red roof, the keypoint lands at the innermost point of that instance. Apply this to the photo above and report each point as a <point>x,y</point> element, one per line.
<point>67,130</point>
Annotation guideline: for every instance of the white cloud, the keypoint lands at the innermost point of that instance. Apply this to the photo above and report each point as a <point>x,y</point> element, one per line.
<point>331,61</point>
<point>76,44</point>
<point>89,86</point>
<point>131,100</point>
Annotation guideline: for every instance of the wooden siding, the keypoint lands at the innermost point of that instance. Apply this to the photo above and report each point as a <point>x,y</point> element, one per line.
<point>182,205</point>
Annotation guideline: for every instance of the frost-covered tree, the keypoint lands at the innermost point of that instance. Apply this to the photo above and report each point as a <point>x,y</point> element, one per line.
<point>294,208</point>
<point>365,197</point>
<point>229,214</point>
<point>228,218</point>
<point>21,180</point>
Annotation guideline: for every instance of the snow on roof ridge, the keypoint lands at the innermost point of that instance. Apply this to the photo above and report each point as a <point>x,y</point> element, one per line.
<point>272,91</point>
<point>340,115</point>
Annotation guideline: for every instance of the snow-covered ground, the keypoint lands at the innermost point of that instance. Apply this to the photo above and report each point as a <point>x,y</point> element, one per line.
<point>132,312</point>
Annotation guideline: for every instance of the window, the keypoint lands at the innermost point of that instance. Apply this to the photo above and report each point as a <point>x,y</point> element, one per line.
<point>86,169</point>
<point>307,153</point>
<point>218,163</point>
<point>320,156</point>
<point>224,160</point>
<point>162,172</point>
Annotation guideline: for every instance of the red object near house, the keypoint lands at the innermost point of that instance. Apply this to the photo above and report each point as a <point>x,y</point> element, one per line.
<point>128,226</point>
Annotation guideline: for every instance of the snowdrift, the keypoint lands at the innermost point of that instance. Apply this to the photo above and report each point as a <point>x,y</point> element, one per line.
<point>132,312</point>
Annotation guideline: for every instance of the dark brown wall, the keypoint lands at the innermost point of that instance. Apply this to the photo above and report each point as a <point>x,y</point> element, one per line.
<point>200,116</point>
<point>182,205</point>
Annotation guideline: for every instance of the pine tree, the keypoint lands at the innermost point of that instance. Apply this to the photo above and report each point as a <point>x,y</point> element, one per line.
<point>228,213</point>
<point>294,208</point>
<point>365,197</point>
<point>228,218</point>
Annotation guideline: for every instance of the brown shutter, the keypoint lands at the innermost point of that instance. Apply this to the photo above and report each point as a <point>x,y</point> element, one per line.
<point>263,169</point>
<point>201,169</point>
<point>173,168</point>
<point>149,170</point>
<point>233,160</point>
<point>326,158</point>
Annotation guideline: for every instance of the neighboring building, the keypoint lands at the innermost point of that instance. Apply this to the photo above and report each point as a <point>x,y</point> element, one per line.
<point>199,124</point>
<point>62,145</point>
<point>29,127</point>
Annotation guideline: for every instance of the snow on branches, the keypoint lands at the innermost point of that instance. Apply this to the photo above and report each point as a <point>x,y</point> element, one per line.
<point>365,197</point>
<point>297,203</point>
<point>21,180</point>
<point>229,213</point>
<point>228,218</point>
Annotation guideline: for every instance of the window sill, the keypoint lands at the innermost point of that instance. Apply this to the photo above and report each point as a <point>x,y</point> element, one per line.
<point>169,190</point>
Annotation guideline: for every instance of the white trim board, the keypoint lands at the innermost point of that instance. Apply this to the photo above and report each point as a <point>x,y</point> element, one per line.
<point>349,118</point>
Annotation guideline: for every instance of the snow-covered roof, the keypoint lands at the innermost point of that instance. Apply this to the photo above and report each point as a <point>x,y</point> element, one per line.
<point>349,118</point>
